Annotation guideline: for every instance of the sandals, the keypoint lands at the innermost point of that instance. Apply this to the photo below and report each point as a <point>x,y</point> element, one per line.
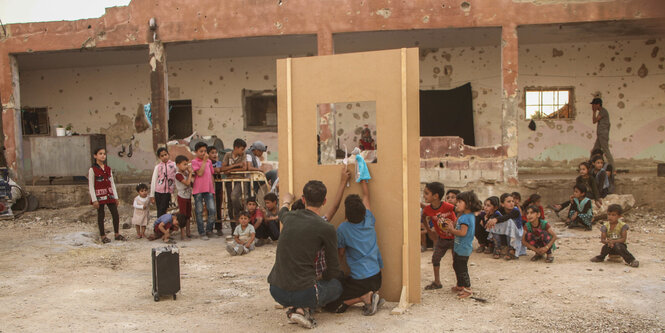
<point>120,238</point>
<point>481,249</point>
<point>433,286</point>
<point>488,250</point>
<point>536,257</point>
<point>105,240</point>
<point>464,293</point>
<point>511,255</point>
<point>456,289</point>
<point>496,255</point>
<point>304,320</point>
<point>549,260</point>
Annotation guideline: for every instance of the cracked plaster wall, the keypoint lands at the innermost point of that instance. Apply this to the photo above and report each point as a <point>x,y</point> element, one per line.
<point>628,75</point>
<point>448,68</point>
<point>97,100</point>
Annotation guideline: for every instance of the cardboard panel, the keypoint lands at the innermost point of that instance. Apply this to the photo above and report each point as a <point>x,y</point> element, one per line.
<point>384,77</point>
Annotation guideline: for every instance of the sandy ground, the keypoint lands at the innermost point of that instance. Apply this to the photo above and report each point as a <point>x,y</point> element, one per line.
<point>54,278</point>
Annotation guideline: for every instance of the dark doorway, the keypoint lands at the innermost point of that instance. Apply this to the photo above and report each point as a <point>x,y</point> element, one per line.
<point>180,119</point>
<point>448,113</point>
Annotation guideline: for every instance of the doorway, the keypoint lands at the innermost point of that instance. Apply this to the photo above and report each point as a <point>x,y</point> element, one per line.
<point>448,113</point>
<point>180,119</point>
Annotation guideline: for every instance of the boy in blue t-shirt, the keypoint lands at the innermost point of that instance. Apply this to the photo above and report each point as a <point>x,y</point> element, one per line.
<point>357,239</point>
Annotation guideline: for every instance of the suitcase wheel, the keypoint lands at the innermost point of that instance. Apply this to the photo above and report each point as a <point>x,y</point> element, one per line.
<point>156,298</point>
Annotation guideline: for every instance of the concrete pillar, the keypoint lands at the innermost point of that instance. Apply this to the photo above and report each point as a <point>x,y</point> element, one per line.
<point>324,42</point>
<point>11,114</point>
<point>159,94</point>
<point>510,109</point>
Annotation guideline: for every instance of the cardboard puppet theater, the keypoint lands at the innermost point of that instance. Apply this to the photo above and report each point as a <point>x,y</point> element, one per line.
<point>376,94</point>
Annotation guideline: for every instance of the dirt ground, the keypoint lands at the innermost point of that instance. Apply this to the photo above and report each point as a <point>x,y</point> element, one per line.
<point>53,277</point>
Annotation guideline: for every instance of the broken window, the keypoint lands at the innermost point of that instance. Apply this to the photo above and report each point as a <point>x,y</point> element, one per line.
<point>260,110</point>
<point>549,103</point>
<point>35,121</point>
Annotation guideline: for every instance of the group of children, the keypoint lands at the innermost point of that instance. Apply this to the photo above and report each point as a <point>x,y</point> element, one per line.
<point>505,227</point>
<point>189,179</point>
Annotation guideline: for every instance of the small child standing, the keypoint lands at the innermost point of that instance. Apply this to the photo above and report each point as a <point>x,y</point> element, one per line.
<point>243,236</point>
<point>213,154</point>
<point>203,190</point>
<point>103,193</point>
<point>464,231</point>
<point>614,234</point>
<point>163,182</point>
<point>581,212</point>
<point>183,187</point>
<point>141,210</point>
<point>538,236</point>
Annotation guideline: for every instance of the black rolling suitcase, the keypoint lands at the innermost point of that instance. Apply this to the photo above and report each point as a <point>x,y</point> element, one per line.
<point>165,271</point>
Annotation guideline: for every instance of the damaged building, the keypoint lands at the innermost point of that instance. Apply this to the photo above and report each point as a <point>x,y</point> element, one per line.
<point>487,68</point>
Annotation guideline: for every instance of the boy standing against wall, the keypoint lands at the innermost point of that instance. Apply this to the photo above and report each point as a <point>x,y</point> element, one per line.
<point>203,190</point>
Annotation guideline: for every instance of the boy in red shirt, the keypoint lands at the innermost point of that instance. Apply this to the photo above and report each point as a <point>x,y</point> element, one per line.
<point>433,218</point>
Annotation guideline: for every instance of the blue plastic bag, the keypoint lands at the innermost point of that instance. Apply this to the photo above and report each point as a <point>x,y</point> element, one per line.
<point>362,172</point>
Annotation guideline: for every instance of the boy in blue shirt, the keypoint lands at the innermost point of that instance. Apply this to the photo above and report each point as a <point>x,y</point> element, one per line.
<point>357,239</point>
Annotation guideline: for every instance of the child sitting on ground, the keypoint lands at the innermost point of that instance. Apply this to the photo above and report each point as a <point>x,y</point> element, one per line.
<point>517,198</point>
<point>141,210</point>
<point>256,220</point>
<point>163,182</point>
<point>464,231</point>
<point>614,234</point>
<point>272,215</point>
<point>538,236</point>
<point>600,174</point>
<point>490,208</point>
<point>506,229</point>
<point>534,200</point>
<point>356,238</point>
<point>589,183</point>
<point>183,187</point>
<point>581,212</point>
<point>164,225</point>
<point>432,217</point>
<point>243,236</point>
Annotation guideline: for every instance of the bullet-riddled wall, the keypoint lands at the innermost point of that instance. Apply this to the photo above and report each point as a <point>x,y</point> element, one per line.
<point>627,74</point>
<point>96,100</point>
<point>215,88</point>
<point>448,68</point>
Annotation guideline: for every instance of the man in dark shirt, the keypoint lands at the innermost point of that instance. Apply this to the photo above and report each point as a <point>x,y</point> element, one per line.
<point>602,118</point>
<point>293,282</point>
